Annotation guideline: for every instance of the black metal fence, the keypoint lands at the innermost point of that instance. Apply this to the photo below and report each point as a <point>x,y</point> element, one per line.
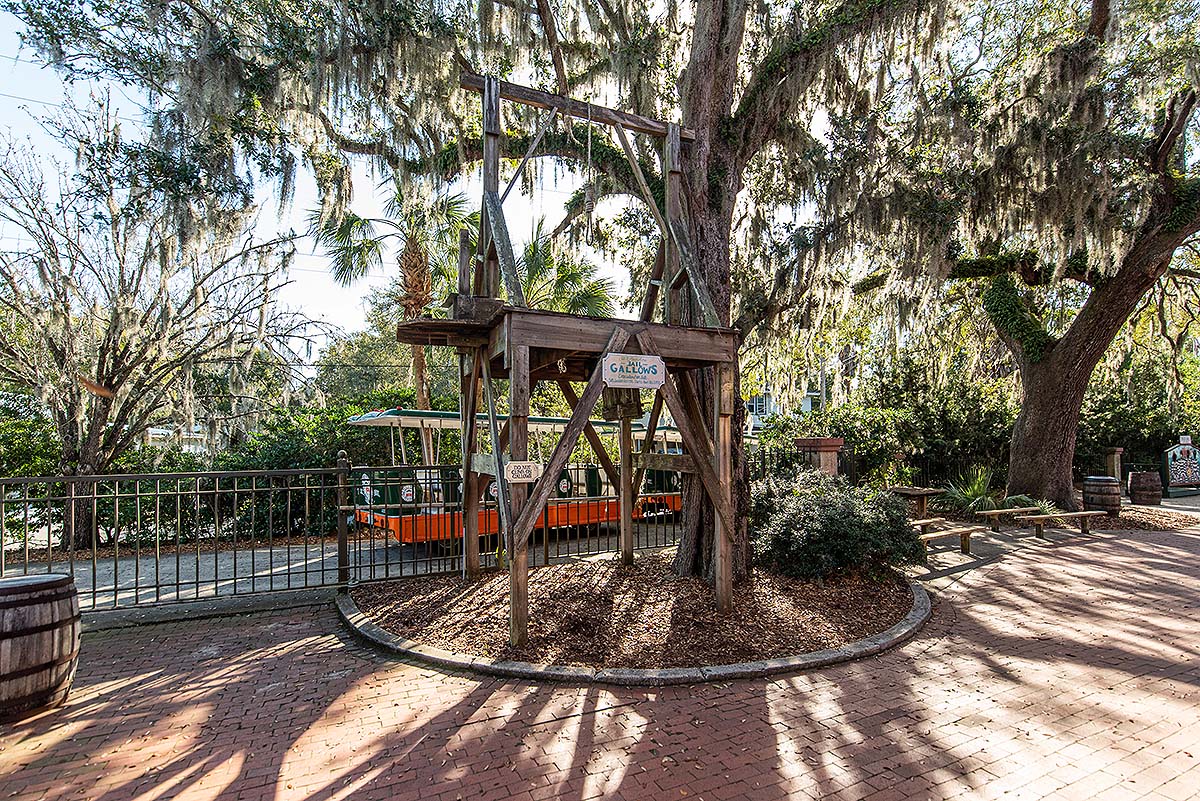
<point>763,462</point>
<point>159,538</point>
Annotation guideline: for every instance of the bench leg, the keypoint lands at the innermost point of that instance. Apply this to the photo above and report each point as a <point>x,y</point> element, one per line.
<point>964,541</point>
<point>1038,530</point>
<point>996,524</point>
<point>1085,525</point>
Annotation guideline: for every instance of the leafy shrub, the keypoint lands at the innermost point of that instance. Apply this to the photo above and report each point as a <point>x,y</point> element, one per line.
<point>811,525</point>
<point>972,492</point>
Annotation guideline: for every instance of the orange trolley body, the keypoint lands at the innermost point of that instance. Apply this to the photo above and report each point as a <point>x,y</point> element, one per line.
<point>437,526</point>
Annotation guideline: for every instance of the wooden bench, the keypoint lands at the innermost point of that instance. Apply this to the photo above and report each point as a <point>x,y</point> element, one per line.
<point>925,524</point>
<point>962,532</point>
<point>1039,521</point>
<point>994,515</point>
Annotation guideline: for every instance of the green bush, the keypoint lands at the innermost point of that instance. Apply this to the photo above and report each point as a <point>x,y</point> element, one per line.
<point>811,525</point>
<point>972,492</point>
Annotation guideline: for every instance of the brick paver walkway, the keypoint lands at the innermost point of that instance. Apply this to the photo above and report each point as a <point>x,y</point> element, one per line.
<point>1064,671</point>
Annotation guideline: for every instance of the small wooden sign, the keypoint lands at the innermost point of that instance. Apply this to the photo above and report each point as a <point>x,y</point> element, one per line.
<point>633,370</point>
<point>523,472</point>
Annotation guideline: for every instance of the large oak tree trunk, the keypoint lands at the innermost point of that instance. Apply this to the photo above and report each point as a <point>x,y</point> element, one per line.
<point>1043,441</point>
<point>712,174</point>
<point>712,222</point>
<point>1053,386</point>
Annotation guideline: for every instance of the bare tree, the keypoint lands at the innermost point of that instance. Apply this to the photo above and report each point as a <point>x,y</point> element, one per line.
<point>127,279</point>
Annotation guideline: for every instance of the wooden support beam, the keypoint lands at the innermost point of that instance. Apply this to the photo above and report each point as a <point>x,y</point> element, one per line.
<point>673,209</point>
<point>675,462</point>
<point>708,312</point>
<point>695,441</point>
<point>574,108</point>
<point>647,196</point>
<point>464,265</point>
<point>626,490</point>
<point>593,437</point>
<point>723,539</point>
<point>469,366</point>
<point>518,561</point>
<point>503,245</point>
<point>650,300</point>
<point>566,443</point>
<point>486,275</point>
<point>502,497</point>
<point>648,444</point>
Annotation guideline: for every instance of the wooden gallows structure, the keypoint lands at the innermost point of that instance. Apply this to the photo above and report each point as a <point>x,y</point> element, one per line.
<point>506,340</point>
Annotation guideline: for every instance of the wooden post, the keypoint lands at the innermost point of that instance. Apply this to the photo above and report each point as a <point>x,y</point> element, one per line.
<point>672,309</point>
<point>487,279</point>
<point>626,498</point>
<point>343,506</point>
<point>722,435</point>
<point>464,262</point>
<point>518,445</point>
<point>469,405</point>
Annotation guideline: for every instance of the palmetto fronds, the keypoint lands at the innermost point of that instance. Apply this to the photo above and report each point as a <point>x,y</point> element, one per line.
<point>557,281</point>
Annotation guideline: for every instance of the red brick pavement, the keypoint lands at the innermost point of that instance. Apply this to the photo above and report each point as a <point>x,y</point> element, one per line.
<point>1065,671</point>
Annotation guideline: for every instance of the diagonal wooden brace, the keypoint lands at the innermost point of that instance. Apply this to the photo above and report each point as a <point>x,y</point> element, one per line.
<point>696,442</point>
<point>593,437</point>
<point>566,443</point>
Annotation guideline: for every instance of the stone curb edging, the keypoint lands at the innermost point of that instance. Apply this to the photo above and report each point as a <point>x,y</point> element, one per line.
<point>364,628</point>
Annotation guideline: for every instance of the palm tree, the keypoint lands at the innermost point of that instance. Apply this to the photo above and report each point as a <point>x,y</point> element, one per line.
<point>428,237</point>
<point>428,268</point>
<point>558,281</point>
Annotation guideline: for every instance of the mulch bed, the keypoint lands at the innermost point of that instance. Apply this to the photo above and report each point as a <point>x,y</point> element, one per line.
<point>1147,518</point>
<point>600,613</point>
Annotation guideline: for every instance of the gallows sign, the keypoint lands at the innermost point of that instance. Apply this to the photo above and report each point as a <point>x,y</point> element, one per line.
<point>634,371</point>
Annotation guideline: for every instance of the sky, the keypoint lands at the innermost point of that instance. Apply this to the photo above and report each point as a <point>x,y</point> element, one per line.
<point>29,91</point>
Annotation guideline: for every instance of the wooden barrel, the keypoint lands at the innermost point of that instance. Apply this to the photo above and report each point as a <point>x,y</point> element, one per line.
<point>39,642</point>
<point>1145,488</point>
<point>1102,493</point>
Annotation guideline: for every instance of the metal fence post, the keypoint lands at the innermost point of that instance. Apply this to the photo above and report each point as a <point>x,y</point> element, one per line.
<point>344,508</point>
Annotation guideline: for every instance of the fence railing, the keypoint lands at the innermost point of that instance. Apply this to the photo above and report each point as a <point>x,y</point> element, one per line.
<point>158,538</point>
<point>764,462</point>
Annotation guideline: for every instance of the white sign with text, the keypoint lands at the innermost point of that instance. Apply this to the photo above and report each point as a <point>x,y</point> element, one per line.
<point>523,472</point>
<point>634,371</point>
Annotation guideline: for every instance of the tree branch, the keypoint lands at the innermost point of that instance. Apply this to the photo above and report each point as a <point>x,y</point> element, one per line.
<point>771,93</point>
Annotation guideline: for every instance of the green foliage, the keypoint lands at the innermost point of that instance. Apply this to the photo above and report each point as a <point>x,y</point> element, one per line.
<point>29,443</point>
<point>901,411</point>
<point>1014,320</point>
<point>810,525</point>
<point>553,279</point>
<point>972,491</point>
<point>1135,409</point>
<point>310,436</point>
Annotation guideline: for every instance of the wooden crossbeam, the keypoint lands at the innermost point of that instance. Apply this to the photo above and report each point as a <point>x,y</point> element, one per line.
<point>566,443</point>
<point>698,444</point>
<point>503,245</point>
<point>593,438</point>
<point>675,462</point>
<point>574,108</point>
